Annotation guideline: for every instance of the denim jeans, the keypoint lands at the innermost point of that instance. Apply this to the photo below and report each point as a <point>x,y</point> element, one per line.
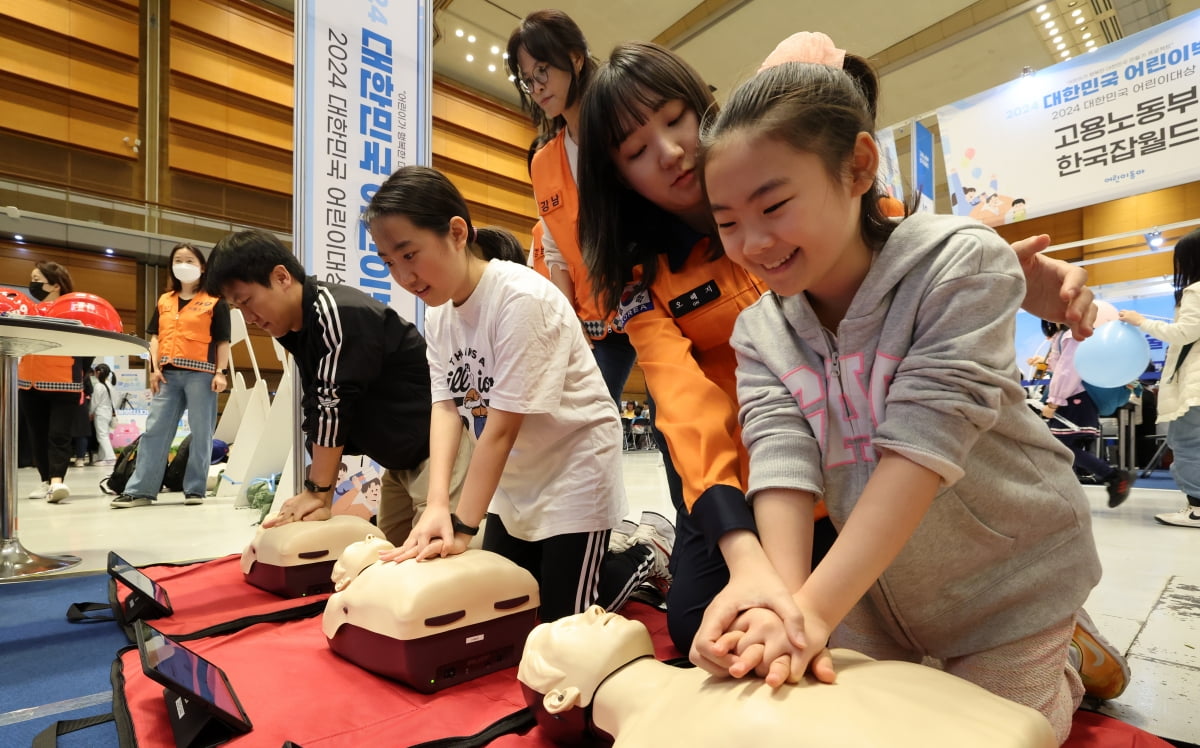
<point>1183,437</point>
<point>183,389</point>
<point>615,356</point>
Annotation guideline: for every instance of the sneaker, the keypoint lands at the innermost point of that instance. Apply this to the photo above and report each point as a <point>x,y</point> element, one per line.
<point>125,501</point>
<point>41,491</point>
<point>619,541</point>
<point>57,492</point>
<point>1189,516</point>
<point>1118,487</point>
<point>193,499</point>
<point>657,532</point>
<point>105,463</point>
<point>1103,669</point>
<point>79,462</point>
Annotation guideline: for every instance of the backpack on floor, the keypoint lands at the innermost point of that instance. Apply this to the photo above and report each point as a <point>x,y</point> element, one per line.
<point>177,467</point>
<point>122,470</point>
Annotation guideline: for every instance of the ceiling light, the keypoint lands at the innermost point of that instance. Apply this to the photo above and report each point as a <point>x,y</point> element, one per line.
<point>18,237</point>
<point>1049,24</point>
<point>458,33</point>
<point>1078,21</point>
<point>108,250</point>
<point>471,38</point>
<point>491,68</point>
<point>1044,16</point>
<point>1087,35</point>
<point>1057,39</point>
<point>1077,12</point>
<point>1093,49</point>
<point>512,79</point>
<point>1060,46</point>
<point>1066,53</point>
<point>1091,43</point>
<point>1040,8</point>
<point>470,58</point>
<point>495,50</point>
<point>505,55</point>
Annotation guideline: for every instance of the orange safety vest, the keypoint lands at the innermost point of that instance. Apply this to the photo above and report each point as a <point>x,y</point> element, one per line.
<point>681,328</point>
<point>184,334</point>
<point>558,205</point>
<point>50,373</point>
<point>537,252</point>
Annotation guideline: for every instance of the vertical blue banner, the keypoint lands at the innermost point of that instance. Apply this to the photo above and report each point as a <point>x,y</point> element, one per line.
<point>922,166</point>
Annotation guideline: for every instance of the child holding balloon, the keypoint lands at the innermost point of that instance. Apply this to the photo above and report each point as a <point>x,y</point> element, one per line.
<point>1179,391</point>
<point>1075,420</point>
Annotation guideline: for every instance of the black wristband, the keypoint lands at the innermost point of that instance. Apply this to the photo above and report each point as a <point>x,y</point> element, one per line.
<point>310,486</point>
<point>463,527</point>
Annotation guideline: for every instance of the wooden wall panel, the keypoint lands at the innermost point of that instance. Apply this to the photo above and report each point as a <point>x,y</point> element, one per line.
<point>215,64</point>
<point>238,24</point>
<point>214,155</point>
<point>106,24</point>
<point>68,118</point>
<point>208,107</point>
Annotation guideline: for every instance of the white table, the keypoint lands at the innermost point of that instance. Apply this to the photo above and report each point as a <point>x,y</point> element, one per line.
<point>20,336</point>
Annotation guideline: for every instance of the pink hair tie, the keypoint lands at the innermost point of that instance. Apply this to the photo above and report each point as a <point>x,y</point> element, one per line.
<point>804,46</point>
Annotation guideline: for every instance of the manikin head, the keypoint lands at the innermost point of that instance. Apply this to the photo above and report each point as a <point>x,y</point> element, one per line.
<point>355,558</point>
<point>565,662</point>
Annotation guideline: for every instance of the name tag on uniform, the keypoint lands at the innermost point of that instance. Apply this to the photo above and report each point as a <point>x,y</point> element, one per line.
<point>694,299</point>
<point>553,202</point>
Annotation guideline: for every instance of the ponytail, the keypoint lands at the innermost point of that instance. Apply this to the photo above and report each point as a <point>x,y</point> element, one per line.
<point>498,244</point>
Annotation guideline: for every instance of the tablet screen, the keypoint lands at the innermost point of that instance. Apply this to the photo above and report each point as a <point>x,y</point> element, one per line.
<point>189,675</point>
<point>134,579</point>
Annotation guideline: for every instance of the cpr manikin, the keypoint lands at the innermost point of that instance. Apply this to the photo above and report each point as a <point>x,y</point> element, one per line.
<point>428,624</point>
<point>296,559</point>
<point>596,671</point>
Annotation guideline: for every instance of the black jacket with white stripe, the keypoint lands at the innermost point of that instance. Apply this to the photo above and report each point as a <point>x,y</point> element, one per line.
<point>364,375</point>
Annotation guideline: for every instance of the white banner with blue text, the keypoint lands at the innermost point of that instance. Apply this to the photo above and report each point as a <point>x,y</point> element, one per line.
<point>1116,122</point>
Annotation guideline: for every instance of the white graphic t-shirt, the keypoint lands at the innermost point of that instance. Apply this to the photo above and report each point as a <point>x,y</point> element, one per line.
<point>516,345</point>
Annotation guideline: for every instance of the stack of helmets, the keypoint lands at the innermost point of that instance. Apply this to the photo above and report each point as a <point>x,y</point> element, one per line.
<point>88,308</point>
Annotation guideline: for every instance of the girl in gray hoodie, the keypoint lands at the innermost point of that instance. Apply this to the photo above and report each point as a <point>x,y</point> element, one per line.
<point>880,375</point>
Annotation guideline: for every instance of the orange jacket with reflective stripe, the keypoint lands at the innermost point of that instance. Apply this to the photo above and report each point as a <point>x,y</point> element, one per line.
<point>52,373</point>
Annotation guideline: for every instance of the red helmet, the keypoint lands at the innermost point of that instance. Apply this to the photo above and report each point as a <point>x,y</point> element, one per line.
<point>89,309</point>
<point>12,300</point>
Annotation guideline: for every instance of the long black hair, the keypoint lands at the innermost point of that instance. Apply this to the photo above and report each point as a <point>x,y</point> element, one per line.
<point>1187,263</point>
<point>550,36</point>
<point>429,200</point>
<point>618,228</point>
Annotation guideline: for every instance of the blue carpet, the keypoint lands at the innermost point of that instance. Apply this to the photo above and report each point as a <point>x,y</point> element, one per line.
<point>46,659</point>
<point>1160,479</point>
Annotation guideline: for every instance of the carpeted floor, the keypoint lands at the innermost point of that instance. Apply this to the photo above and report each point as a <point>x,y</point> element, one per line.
<point>54,669</point>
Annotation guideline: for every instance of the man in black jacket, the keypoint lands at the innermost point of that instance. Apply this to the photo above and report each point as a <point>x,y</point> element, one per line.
<point>363,370</point>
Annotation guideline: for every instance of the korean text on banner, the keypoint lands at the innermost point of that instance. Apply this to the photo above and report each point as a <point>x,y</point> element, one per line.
<point>1116,122</point>
<point>364,66</point>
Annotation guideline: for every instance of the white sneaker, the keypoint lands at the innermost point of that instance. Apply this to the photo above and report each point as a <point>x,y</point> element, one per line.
<point>41,491</point>
<point>1189,516</point>
<point>620,540</point>
<point>657,532</point>
<point>57,492</point>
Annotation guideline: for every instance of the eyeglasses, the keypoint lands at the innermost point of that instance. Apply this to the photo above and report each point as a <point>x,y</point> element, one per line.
<point>541,74</point>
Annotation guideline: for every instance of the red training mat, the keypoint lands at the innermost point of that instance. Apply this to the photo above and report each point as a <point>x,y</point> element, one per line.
<point>211,593</point>
<point>293,687</point>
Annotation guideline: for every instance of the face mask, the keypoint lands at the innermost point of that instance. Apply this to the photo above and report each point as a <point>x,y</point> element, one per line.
<point>37,289</point>
<point>185,272</point>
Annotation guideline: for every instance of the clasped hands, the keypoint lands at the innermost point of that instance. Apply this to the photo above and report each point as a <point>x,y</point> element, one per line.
<point>759,628</point>
<point>432,537</point>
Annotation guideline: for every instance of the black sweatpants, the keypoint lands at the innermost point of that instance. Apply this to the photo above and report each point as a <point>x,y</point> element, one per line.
<point>573,571</point>
<point>49,416</point>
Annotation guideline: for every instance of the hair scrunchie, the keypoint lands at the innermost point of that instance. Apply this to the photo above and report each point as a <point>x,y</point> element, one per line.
<point>805,46</point>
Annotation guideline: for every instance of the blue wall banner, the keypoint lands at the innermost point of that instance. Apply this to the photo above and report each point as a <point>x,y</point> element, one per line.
<point>363,83</point>
<point>922,167</point>
<point>1116,122</point>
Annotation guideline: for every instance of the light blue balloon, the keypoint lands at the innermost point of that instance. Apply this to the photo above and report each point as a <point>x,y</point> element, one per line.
<point>976,173</point>
<point>1115,356</point>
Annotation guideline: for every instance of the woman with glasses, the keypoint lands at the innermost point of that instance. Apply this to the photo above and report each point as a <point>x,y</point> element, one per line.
<point>549,60</point>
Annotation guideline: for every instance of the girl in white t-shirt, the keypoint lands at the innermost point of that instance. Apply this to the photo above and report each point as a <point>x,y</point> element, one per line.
<point>507,358</point>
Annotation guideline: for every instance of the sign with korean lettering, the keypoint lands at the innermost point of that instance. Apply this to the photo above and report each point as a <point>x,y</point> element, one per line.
<point>363,93</point>
<point>888,176</point>
<point>1116,122</point>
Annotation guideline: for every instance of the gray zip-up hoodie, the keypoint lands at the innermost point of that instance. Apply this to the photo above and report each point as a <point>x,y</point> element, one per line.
<point>924,365</point>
